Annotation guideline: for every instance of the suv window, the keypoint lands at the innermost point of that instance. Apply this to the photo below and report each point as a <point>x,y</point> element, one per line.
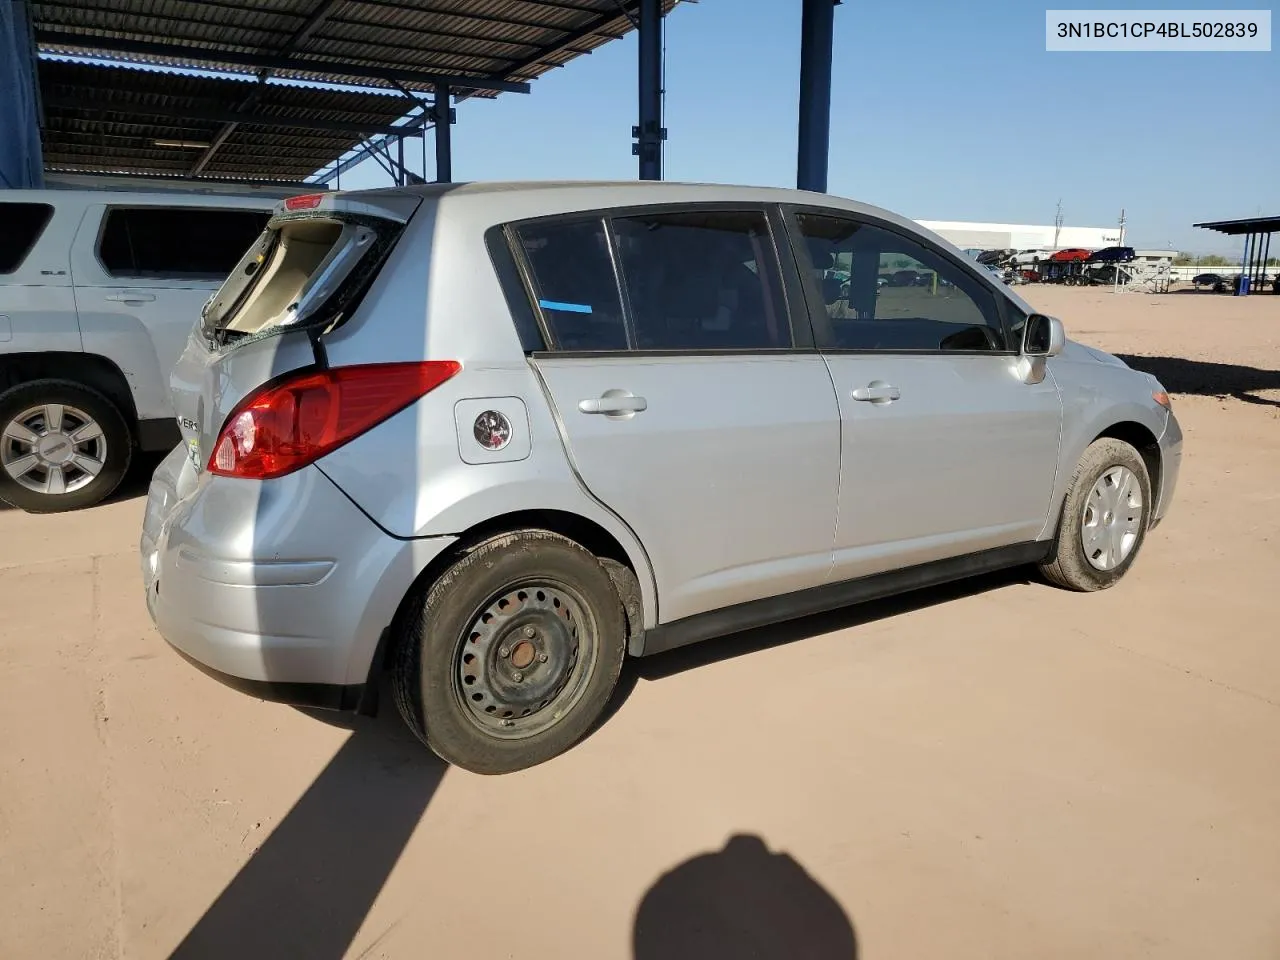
<point>705,280</point>
<point>574,283</point>
<point>23,224</point>
<point>884,291</point>
<point>194,243</point>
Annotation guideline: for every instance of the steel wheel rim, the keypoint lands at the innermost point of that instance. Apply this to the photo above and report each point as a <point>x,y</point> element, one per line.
<point>53,449</point>
<point>1111,520</point>
<point>525,658</point>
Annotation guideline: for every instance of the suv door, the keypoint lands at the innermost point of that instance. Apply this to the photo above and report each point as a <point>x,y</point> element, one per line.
<point>684,404</point>
<point>946,451</point>
<point>142,275</point>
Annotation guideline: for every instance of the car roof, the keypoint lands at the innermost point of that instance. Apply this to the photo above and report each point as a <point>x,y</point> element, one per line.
<point>563,196</point>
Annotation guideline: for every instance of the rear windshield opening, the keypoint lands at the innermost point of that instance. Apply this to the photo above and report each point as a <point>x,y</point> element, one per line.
<point>307,271</point>
<point>266,287</point>
<point>295,258</point>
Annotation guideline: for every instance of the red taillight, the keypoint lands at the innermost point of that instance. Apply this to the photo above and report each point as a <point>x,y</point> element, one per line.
<point>306,201</point>
<point>284,427</point>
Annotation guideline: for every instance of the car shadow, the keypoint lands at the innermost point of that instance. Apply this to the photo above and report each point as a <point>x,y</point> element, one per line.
<point>306,891</point>
<point>741,901</point>
<point>1208,379</point>
<point>662,665</point>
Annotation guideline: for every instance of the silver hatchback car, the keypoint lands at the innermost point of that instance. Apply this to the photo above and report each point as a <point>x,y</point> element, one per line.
<point>494,438</point>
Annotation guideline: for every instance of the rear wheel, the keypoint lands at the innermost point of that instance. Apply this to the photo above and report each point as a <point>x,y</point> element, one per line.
<point>1104,518</point>
<point>514,654</point>
<point>63,446</point>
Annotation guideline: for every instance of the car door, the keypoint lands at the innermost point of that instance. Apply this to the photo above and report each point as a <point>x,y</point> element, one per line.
<point>142,275</point>
<point>684,403</point>
<point>945,449</point>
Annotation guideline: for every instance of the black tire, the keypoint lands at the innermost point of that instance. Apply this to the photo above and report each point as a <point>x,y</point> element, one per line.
<point>431,669</point>
<point>1069,566</point>
<point>115,435</point>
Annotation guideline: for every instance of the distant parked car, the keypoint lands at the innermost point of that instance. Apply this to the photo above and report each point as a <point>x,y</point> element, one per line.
<point>1023,257</point>
<point>994,256</point>
<point>1071,255</point>
<point>1112,255</point>
<point>494,439</point>
<point>1215,280</point>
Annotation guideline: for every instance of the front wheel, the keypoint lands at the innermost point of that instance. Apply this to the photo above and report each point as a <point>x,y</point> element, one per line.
<point>1104,518</point>
<point>514,655</point>
<point>63,446</point>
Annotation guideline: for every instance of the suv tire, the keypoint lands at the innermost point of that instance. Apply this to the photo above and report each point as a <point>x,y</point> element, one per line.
<point>1105,517</point>
<point>514,654</point>
<point>88,430</point>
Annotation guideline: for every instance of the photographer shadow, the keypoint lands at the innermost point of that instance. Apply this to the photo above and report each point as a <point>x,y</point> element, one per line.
<point>741,901</point>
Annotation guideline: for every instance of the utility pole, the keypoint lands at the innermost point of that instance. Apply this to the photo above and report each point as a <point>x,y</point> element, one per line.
<point>1122,222</point>
<point>1057,224</point>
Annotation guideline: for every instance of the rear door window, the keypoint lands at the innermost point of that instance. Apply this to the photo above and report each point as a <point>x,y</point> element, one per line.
<point>574,283</point>
<point>703,280</point>
<point>193,243</point>
<point>695,280</point>
<point>20,227</point>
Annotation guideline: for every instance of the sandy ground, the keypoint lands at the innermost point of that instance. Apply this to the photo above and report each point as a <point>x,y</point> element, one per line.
<point>998,770</point>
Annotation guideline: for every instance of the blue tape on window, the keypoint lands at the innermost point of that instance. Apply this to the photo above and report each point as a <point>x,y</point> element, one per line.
<point>566,307</point>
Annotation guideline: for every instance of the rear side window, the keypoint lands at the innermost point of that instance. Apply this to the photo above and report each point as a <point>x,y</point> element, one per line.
<point>573,280</point>
<point>693,281</point>
<point>176,243</point>
<point>20,227</point>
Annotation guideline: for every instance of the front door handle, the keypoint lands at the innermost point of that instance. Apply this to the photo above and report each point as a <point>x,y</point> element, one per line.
<point>130,296</point>
<point>877,391</point>
<point>613,404</point>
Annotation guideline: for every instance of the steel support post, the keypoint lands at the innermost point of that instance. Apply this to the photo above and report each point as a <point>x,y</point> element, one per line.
<point>649,134</point>
<point>443,116</point>
<point>817,32</point>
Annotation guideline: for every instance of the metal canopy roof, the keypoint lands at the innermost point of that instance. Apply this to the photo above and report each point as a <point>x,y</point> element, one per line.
<point>109,119</point>
<point>1247,225</point>
<point>468,47</point>
<point>481,45</point>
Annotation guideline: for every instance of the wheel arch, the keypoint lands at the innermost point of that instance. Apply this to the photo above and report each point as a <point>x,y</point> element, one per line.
<point>1141,438</point>
<point>583,531</point>
<point>90,369</point>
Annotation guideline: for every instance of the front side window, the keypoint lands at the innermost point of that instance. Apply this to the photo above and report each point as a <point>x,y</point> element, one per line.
<point>884,291</point>
<point>20,227</point>
<point>703,281</point>
<point>195,243</point>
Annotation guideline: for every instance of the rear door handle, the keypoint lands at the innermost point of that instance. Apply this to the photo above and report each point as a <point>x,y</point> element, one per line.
<point>877,392</point>
<point>130,296</point>
<point>612,405</point>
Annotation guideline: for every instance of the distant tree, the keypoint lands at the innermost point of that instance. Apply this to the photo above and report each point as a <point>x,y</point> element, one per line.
<point>1214,260</point>
<point>1184,260</point>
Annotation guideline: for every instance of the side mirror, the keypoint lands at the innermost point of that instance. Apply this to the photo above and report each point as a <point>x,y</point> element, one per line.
<point>1043,336</point>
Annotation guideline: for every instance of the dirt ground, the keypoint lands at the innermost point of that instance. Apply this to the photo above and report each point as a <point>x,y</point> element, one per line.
<point>995,770</point>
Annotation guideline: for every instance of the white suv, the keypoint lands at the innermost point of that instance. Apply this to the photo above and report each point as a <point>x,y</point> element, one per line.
<point>98,292</point>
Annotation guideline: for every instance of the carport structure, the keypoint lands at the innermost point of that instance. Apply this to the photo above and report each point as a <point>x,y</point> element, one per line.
<point>1257,233</point>
<point>268,87</point>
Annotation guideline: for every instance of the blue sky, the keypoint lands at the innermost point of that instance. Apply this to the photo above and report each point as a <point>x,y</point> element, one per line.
<point>941,110</point>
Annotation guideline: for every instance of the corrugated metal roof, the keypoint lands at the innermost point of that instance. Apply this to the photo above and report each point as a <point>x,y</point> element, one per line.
<point>109,119</point>
<point>515,40</point>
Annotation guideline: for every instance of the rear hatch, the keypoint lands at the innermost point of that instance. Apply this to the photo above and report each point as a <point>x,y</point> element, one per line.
<point>301,278</point>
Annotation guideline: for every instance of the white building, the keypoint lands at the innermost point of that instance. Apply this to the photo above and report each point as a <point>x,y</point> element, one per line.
<point>1021,236</point>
